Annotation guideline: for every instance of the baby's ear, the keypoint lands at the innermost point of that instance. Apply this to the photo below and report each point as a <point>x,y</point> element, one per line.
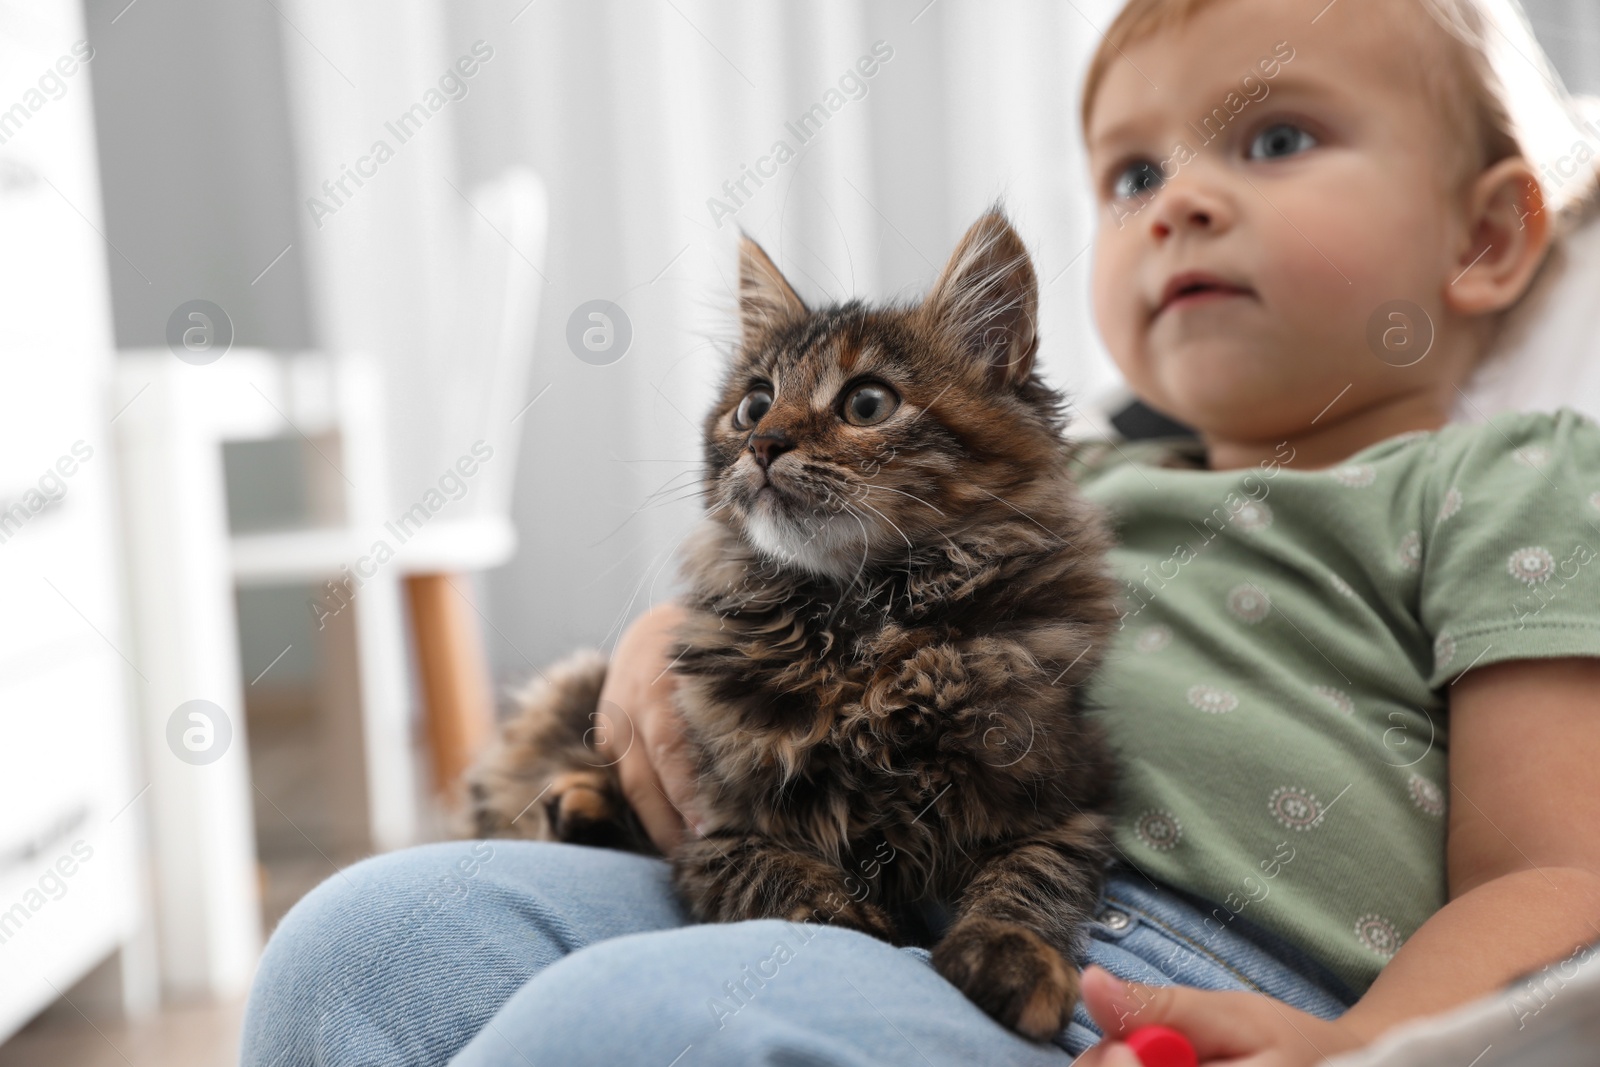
<point>988,299</point>
<point>766,300</point>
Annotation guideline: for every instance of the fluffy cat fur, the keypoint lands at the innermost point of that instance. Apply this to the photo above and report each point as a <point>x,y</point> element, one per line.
<point>889,630</point>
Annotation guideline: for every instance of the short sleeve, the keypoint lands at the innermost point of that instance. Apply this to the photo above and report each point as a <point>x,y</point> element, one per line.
<point>1510,542</point>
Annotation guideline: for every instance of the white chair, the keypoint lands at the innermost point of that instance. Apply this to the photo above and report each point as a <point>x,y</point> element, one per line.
<point>182,570</point>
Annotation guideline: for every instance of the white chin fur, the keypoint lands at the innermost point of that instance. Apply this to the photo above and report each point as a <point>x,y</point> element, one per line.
<point>829,548</point>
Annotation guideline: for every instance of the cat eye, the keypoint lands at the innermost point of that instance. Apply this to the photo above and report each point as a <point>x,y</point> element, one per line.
<point>869,404</point>
<point>755,404</point>
<point>1279,140</point>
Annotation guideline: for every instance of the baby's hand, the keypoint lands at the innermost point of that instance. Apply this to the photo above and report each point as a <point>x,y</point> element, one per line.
<point>648,745</point>
<point>1235,1028</point>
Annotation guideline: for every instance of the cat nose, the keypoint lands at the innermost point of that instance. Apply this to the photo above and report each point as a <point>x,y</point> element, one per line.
<point>768,446</point>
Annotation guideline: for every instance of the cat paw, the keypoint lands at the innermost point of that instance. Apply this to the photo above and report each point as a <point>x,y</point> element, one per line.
<point>1010,972</point>
<point>581,808</point>
<point>862,915</point>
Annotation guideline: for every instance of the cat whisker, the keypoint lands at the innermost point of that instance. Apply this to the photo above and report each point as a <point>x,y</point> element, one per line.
<point>683,493</point>
<point>676,492</point>
<point>912,496</point>
<point>702,464</point>
<point>860,568</point>
<point>642,508</point>
<point>619,562</point>
<point>665,487</point>
<point>647,580</point>
<point>890,521</point>
<point>668,487</point>
<point>941,533</point>
<point>1024,514</point>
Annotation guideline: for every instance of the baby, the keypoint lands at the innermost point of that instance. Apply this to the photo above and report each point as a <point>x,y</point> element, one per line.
<point>1355,695</point>
<point>1313,218</point>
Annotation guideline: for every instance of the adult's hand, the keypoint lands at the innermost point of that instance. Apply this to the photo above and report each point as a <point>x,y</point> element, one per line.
<point>642,730</point>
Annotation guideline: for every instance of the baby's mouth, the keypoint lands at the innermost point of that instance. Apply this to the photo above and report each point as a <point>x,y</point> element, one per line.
<point>1193,288</point>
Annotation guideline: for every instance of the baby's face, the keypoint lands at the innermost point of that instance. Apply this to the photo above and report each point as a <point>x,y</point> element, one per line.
<point>1319,197</point>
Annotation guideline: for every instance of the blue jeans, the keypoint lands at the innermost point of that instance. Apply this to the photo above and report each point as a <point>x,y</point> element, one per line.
<point>516,953</point>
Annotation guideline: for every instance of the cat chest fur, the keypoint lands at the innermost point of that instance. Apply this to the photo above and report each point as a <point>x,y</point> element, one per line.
<point>839,729</point>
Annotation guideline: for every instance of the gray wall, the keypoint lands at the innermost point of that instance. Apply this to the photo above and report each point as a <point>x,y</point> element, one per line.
<point>196,167</point>
<point>1570,33</point>
<point>196,172</point>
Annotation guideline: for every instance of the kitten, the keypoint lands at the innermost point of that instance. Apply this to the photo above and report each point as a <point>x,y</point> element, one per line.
<point>895,599</point>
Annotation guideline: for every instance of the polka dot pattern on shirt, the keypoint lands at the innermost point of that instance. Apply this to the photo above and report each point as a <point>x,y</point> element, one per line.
<point>1534,456</point>
<point>1338,698</point>
<point>1159,829</point>
<point>1253,516</point>
<point>1378,934</point>
<point>1444,650</point>
<point>1295,808</point>
<point>1410,551</point>
<point>1211,698</point>
<point>1248,603</point>
<point>1531,565</point>
<point>1355,475</point>
<point>1153,639</point>
<point>1426,795</point>
<point>1292,687</point>
<point>1451,504</point>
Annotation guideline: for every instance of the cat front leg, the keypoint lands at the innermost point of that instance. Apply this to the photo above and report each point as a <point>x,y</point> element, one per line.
<point>1010,945</point>
<point>731,876</point>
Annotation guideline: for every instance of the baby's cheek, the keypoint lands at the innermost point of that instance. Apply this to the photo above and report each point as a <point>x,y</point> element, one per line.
<point>1349,251</point>
<point>1115,296</point>
<point>1323,281</point>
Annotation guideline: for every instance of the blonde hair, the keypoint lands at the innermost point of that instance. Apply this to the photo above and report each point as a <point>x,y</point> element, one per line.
<point>1496,85</point>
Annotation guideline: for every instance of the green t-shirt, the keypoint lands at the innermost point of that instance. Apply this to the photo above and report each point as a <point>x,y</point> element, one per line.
<point>1277,692</point>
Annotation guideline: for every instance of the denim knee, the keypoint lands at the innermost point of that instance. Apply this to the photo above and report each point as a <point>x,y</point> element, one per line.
<point>401,959</point>
<point>756,992</point>
<point>339,979</point>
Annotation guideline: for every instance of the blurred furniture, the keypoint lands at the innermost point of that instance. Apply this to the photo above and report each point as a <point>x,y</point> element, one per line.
<point>174,420</point>
<point>72,902</point>
<point>367,541</point>
<point>483,402</point>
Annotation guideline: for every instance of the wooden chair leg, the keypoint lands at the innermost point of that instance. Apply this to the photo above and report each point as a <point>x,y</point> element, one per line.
<point>457,694</point>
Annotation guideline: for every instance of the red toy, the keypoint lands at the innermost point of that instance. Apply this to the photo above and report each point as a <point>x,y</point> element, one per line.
<point>1161,1046</point>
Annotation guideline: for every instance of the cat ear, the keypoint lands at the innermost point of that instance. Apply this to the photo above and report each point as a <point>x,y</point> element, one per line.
<point>766,300</point>
<point>988,298</point>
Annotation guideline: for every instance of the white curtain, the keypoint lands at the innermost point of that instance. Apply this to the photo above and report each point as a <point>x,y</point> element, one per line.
<point>636,114</point>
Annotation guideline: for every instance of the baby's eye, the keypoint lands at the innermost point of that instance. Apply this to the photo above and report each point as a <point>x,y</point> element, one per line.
<point>1279,140</point>
<point>1136,179</point>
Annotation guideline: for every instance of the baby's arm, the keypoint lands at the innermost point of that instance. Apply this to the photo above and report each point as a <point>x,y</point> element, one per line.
<point>1522,851</point>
